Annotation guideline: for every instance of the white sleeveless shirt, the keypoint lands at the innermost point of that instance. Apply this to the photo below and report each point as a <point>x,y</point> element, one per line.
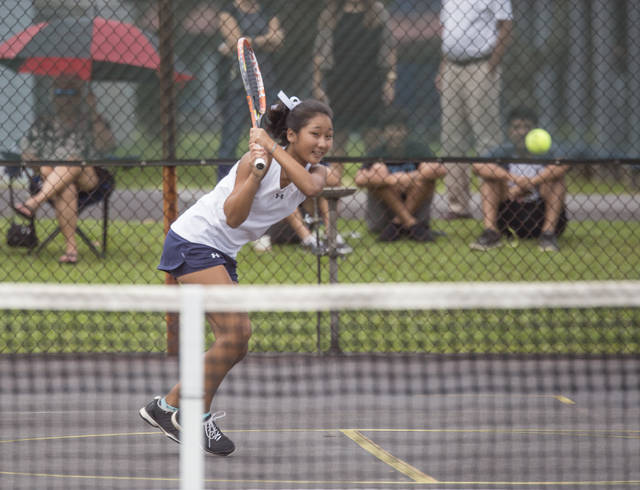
<point>205,222</point>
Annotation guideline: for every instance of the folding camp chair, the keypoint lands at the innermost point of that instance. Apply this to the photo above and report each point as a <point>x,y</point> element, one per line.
<point>99,195</point>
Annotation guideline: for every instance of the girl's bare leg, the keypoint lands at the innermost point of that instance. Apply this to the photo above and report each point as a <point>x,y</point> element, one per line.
<point>232,332</point>
<point>56,179</point>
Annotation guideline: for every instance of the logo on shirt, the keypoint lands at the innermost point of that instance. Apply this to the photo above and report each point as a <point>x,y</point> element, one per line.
<point>279,195</point>
<point>215,255</point>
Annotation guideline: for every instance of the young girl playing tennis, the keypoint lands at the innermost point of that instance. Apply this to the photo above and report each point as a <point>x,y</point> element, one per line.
<point>202,243</point>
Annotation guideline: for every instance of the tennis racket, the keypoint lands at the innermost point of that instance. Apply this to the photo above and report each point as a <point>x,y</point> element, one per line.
<point>252,80</point>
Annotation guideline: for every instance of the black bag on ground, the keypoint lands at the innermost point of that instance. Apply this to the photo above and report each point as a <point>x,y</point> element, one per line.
<point>22,235</point>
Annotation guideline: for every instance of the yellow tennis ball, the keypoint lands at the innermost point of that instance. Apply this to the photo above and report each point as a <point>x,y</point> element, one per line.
<point>538,141</point>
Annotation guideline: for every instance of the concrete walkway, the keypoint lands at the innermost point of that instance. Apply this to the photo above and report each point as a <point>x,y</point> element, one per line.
<point>145,204</point>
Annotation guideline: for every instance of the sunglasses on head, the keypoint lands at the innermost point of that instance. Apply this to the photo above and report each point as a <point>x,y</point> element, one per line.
<point>65,91</point>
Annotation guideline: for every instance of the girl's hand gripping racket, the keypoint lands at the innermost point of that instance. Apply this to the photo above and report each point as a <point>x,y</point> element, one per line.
<point>252,80</point>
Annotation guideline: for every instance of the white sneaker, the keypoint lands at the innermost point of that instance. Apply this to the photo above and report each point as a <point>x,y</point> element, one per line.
<point>262,244</point>
<point>342,247</point>
<point>314,245</point>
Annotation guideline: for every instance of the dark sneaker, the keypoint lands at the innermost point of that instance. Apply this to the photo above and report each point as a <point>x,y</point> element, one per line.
<point>215,442</point>
<point>548,243</point>
<point>420,232</point>
<point>488,240</point>
<point>160,418</point>
<point>391,232</point>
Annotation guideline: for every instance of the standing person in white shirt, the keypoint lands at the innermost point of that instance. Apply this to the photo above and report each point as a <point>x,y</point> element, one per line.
<point>475,36</point>
<point>202,244</point>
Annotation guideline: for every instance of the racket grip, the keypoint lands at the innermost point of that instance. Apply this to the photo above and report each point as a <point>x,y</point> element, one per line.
<point>259,163</point>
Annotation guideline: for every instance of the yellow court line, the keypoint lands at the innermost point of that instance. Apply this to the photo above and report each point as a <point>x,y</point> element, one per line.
<point>327,482</point>
<point>416,475</point>
<point>87,477</point>
<point>80,436</point>
<point>615,433</point>
<point>388,458</point>
<point>564,399</point>
<point>560,398</point>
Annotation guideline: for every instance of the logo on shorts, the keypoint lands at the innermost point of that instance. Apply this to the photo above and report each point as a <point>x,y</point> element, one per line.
<point>279,195</point>
<point>215,255</point>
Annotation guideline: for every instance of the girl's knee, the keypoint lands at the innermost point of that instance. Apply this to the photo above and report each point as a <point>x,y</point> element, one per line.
<point>244,331</point>
<point>430,171</point>
<point>236,336</point>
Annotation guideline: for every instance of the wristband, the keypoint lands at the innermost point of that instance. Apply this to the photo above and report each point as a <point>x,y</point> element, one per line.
<point>275,146</point>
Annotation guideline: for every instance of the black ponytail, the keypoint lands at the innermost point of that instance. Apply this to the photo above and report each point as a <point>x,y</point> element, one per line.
<point>280,118</point>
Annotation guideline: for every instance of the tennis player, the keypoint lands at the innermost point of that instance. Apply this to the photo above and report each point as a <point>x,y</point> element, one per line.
<point>202,244</point>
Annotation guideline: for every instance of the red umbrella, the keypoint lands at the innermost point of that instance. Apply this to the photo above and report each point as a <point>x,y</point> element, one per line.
<point>92,49</point>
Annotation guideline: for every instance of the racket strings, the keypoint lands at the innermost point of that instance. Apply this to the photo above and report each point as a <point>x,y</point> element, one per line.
<point>250,67</point>
<point>252,80</point>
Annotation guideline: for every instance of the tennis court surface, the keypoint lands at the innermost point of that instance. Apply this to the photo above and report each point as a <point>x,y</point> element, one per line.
<point>438,385</point>
<point>316,421</point>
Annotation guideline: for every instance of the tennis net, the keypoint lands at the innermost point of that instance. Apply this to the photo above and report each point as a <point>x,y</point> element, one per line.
<point>452,385</point>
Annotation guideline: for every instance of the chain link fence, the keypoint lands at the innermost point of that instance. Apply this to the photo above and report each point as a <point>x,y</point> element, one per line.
<point>406,91</point>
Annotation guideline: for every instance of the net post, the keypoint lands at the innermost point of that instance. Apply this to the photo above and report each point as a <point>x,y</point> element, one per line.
<point>191,386</point>
<point>332,195</point>
<point>319,272</point>
<point>334,346</point>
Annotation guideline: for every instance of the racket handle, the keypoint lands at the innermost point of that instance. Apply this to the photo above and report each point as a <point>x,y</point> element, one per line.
<point>259,163</point>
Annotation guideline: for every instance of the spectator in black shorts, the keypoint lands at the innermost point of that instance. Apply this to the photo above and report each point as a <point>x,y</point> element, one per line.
<point>522,198</point>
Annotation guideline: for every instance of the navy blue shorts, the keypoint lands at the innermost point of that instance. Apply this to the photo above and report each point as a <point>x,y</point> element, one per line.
<point>180,257</point>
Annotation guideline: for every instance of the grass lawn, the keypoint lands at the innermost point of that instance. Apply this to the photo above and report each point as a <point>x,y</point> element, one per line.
<point>589,251</point>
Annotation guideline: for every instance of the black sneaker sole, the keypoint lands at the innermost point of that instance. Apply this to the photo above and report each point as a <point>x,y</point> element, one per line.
<point>149,420</point>
<point>217,455</point>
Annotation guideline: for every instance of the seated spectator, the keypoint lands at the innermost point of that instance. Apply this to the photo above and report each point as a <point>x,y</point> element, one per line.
<point>522,198</point>
<point>74,132</point>
<point>302,225</point>
<point>298,227</point>
<point>403,186</point>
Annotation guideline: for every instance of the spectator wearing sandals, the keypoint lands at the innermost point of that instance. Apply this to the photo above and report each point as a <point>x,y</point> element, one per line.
<point>75,131</point>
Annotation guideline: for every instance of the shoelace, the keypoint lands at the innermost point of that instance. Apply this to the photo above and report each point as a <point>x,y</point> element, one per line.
<point>211,429</point>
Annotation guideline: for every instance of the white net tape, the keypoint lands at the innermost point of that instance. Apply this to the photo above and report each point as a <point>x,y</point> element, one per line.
<point>389,296</point>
